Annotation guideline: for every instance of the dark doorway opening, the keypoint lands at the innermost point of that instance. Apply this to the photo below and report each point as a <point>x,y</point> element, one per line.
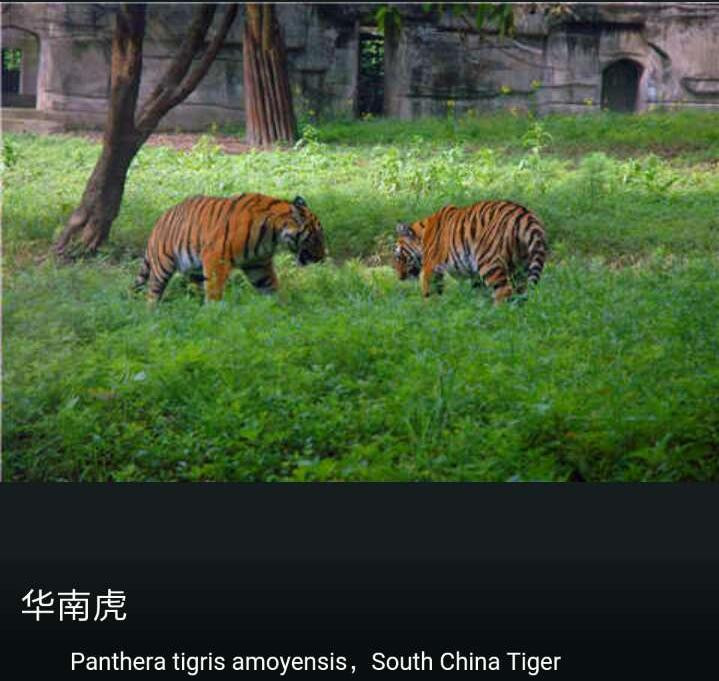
<point>20,67</point>
<point>620,86</point>
<point>11,66</point>
<point>370,82</point>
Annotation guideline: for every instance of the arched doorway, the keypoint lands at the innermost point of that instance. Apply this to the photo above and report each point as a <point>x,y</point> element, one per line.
<point>620,86</point>
<point>20,66</point>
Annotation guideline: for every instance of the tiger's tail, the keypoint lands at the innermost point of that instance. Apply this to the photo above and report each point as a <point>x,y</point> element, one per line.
<point>535,241</point>
<point>143,275</point>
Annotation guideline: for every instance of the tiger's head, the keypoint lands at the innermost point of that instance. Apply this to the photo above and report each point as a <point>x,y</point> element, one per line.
<point>303,234</point>
<point>407,251</point>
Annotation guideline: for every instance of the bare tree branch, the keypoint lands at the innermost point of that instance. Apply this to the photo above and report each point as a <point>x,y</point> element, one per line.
<point>176,85</point>
<point>89,225</point>
<point>191,80</point>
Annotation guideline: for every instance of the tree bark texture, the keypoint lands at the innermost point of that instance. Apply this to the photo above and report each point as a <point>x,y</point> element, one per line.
<point>268,99</point>
<point>100,203</point>
<point>125,131</point>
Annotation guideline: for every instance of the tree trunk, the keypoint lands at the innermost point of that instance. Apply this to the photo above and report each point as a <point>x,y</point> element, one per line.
<point>268,100</point>
<point>89,225</point>
<point>100,202</point>
<point>125,133</point>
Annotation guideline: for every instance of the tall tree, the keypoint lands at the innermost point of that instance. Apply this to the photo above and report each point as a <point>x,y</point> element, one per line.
<point>269,112</point>
<point>127,129</point>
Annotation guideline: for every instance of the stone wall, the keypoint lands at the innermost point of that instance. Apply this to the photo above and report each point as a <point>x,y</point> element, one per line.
<point>75,43</point>
<point>557,66</point>
<point>551,65</point>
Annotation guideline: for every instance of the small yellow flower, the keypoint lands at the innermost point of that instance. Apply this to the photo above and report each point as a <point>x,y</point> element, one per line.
<point>505,89</point>
<point>536,84</point>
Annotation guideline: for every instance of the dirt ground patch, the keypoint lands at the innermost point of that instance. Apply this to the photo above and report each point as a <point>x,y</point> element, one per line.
<point>180,141</point>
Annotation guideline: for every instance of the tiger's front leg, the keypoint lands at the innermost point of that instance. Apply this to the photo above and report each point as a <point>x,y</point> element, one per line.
<point>430,278</point>
<point>262,277</point>
<point>215,271</point>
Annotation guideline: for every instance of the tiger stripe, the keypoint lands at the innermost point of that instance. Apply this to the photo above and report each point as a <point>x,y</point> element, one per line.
<point>204,237</point>
<point>485,241</point>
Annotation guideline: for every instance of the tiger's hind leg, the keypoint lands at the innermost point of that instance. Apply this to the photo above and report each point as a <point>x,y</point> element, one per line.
<point>262,277</point>
<point>143,275</point>
<point>498,280</point>
<point>196,282</point>
<point>156,286</point>
<point>501,293</point>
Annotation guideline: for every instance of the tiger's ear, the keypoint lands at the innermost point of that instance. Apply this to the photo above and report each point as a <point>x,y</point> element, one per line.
<point>297,206</point>
<point>403,229</point>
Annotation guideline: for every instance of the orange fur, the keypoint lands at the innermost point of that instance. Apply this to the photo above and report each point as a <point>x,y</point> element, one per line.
<point>485,241</point>
<point>215,234</point>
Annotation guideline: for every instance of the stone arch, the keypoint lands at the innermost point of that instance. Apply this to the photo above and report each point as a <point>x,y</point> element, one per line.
<point>20,86</point>
<point>620,85</point>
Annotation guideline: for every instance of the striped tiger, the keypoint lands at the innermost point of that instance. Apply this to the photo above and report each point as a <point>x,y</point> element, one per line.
<point>485,241</point>
<point>206,236</point>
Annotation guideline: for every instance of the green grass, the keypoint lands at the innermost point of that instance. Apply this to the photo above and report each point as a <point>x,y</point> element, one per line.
<point>609,132</point>
<point>609,371</point>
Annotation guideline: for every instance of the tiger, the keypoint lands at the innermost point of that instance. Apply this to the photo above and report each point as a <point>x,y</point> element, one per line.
<point>204,237</point>
<point>485,241</point>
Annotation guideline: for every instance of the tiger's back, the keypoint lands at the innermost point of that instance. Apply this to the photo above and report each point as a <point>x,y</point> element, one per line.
<point>486,241</point>
<point>206,236</point>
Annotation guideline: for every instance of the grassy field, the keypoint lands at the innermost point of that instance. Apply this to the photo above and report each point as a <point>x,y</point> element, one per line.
<point>609,371</point>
